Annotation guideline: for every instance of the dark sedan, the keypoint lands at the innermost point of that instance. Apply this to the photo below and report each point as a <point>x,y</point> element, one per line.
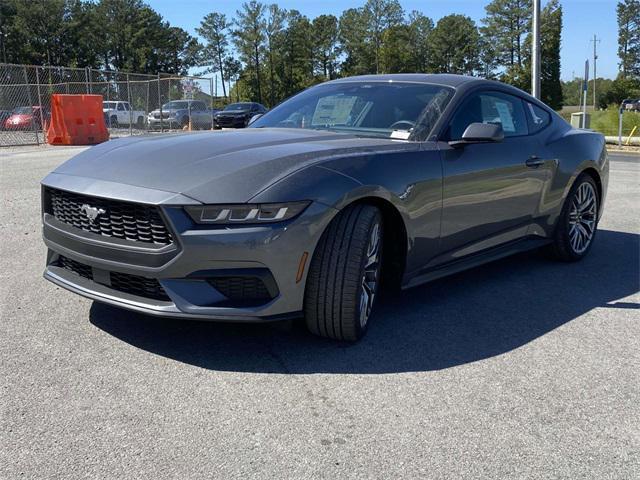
<point>397,178</point>
<point>238,115</point>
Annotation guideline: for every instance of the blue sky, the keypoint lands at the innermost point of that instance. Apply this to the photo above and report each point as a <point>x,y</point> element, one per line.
<point>582,19</point>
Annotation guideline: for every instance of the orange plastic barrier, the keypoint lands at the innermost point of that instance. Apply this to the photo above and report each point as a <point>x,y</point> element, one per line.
<point>76,120</point>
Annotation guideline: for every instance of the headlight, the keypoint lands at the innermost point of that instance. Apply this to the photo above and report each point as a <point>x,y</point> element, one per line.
<point>245,214</point>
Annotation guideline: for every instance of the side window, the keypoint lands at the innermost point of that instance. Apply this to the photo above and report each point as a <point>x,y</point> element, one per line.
<point>127,107</point>
<point>538,118</point>
<point>198,106</point>
<point>120,106</point>
<point>490,107</point>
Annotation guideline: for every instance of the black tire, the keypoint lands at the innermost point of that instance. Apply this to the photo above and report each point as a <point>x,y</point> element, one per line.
<point>336,281</point>
<point>562,247</point>
<point>184,122</point>
<point>114,122</point>
<point>140,122</point>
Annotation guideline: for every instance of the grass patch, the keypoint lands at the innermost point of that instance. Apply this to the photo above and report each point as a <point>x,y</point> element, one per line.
<point>606,121</point>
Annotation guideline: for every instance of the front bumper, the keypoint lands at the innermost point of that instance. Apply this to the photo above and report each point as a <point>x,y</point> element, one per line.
<point>167,122</point>
<point>231,122</point>
<point>185,269</point>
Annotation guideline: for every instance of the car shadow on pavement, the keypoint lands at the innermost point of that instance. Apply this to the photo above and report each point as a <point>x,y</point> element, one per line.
<point>467,317</point>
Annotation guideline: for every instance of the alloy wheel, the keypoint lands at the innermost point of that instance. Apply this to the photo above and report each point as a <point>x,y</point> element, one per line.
<point>582,218</point>
<point>371,275</point>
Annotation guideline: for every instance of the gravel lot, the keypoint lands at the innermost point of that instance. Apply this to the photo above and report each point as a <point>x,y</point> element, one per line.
<point>523,368</point>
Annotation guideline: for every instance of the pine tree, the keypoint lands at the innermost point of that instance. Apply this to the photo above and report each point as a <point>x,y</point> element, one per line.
<point>550,38</point>
<point>249,38</point>
<point>629,37</point>
<point>455,45</point>
<point>213,28</point>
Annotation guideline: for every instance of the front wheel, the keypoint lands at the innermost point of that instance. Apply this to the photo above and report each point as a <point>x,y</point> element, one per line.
<point>578,221</point>
<point>344,275</point>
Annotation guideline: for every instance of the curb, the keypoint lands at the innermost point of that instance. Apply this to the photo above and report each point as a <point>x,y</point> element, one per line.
<point>635,153</point>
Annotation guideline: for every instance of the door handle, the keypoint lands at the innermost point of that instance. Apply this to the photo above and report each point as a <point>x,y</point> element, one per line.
<point>533,161</point>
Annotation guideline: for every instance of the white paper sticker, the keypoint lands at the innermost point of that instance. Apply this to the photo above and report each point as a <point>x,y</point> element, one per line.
<point>333,110</point>
<point>401,134</point>
<point>505,117</point>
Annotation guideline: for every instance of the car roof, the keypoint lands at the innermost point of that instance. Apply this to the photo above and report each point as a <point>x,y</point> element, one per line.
<point>446,79</point>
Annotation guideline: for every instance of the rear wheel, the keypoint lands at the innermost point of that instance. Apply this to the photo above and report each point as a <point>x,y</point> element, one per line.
<point>113,123</point>
<point>578,221</point>
<point>344,274</point>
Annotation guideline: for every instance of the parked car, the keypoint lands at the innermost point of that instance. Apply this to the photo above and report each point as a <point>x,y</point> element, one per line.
<point>26,118</point>
<point>238,115</point>
<point>395,178</point>
<point>118,113</point>
<point>176,114</point>
<point>4,114</point>
<point>632,105</point>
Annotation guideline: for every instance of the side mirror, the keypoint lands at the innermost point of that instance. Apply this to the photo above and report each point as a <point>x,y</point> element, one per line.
<point>480,133</point>
<point>254,118</point>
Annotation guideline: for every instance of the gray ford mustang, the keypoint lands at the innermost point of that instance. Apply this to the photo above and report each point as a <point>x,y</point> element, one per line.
<point>398,179</point>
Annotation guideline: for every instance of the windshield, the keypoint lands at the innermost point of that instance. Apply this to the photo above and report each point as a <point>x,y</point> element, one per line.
<point>176,106</point>
<point>110,105</point>
<point>372,109</point>
<point>23,110</point>
<point>238,106</point>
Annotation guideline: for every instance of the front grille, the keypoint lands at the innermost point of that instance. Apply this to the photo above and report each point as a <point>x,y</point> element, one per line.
<point>75,267</point>
<point>123,282</point>
<point>242,289</point>
<point>140,286</point>
<point>128,221</point>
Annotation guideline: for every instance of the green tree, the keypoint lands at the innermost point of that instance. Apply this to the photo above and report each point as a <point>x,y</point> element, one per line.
<point>249,38</point>
<point>274,31</point>
<point>379,16</point>
<point>326,49</point>
<point>505,27</point>
<point>621,88</point>
<point>37,32</point>
<point>352,28</point>
<point>213,28</point>
<point>233,68</point>
<point>550,38</point>
<point>420,28</point>
<point>132,36</point>
<point>628,12</point>
<point>455,44</point>
<point>396,54</point>
<point>298,54</point>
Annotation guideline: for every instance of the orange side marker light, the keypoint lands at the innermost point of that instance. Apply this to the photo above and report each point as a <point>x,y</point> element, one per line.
<point>301,265</point>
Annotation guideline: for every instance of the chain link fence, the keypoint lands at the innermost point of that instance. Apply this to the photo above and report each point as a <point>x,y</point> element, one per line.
<point>134,104</point>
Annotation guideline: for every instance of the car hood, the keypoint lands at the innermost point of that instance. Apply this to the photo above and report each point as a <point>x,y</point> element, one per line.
<point>217,167</point>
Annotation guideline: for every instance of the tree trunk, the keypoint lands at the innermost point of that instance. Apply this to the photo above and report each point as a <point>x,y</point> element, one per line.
<point>257,61</point>
<point>224,90</point>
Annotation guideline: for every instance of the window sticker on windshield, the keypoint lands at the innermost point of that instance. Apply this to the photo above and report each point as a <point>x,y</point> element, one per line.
<point>333,110</point>
<point>401,134</point>
<point>505,117</point>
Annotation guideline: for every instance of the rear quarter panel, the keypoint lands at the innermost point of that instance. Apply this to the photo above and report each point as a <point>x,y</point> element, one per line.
<point>573,151</point>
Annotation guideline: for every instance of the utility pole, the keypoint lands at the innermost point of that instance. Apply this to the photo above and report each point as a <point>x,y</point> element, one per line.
<point>535,54</point>
<point>595,41</point>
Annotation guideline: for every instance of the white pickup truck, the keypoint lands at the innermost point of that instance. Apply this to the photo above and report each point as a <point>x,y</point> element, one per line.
<point>119,113</point>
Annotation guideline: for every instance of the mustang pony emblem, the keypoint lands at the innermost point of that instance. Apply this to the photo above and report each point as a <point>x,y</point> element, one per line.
<point>92,213</point>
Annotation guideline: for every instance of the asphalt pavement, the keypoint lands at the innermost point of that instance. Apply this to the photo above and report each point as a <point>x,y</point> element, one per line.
<point>523,368</point>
